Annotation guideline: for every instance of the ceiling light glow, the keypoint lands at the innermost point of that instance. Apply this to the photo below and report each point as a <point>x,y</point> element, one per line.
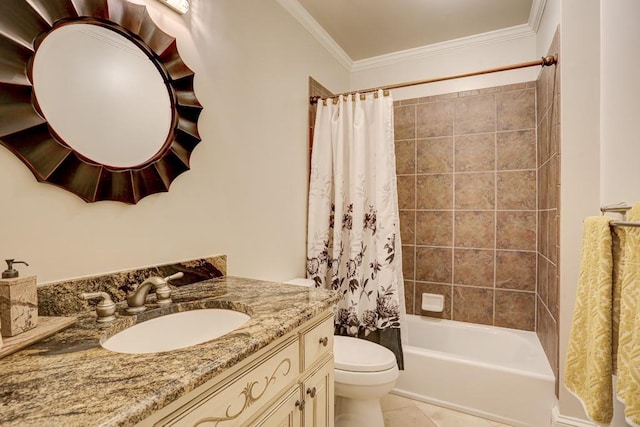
<point>180,6</point>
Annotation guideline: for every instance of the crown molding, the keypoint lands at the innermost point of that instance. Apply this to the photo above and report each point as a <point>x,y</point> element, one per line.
<point>535,16</point>
<point>310,24</point>
<point>492,37</point>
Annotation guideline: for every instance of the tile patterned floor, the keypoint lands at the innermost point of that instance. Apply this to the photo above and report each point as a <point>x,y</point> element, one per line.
<point>402,412</point>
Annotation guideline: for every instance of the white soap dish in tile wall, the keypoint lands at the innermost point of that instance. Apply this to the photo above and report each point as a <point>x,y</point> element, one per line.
<point>433,302</point>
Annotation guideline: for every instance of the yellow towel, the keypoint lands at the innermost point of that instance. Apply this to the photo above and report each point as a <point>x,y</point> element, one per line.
<point>628,357</point>
<point>589,361</point>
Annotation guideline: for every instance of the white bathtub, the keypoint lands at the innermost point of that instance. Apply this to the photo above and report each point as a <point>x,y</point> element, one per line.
<point>497,373</point>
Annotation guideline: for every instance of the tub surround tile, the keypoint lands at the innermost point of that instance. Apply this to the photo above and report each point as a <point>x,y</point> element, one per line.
<point>475,229</point>
<point>434,191</point>
<point>434,228</point>
<point>473,267</point>
<point>516,270</point>
<point>404,122</point>
<point>433,98</point>
<point>433,264</point>
<point>409,293</point>
<point>69,379</point>
<point>434,155</point>
<point>547,331</point>
<point>474,195</point>
<point>434,119</point>
<point>63,298</point>
<point>548,188</point>
<point>408,261</point>
<point>543,232</point>
<point>473,305</point>
<point>407,227</point>
<point>475,191</point>
<point>405,157</point>
<point>552,237</point>
<point>516,230</point>
<point>516,190</point>
<point>515,310</point>
<point>516,150</point>
<point>516,110</point>
<point>552,289</point>
<point>543,278</point>
<point>406,191</point>
<point>475,153</point>
<point>475,114</point>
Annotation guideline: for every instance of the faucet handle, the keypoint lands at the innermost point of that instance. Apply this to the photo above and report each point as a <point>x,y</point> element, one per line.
<point>105,309</point>
<point>163,291</point>
<point>178,275</point>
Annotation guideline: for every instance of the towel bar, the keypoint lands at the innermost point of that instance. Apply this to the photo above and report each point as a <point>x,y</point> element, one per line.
<point>618,207</point>
<point>624,224</point>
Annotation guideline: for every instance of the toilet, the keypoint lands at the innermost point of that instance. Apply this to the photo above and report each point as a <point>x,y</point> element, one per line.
<point>364,372</point>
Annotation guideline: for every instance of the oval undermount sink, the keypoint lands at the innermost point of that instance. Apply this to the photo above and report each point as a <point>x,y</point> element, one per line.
<point>176,330</point>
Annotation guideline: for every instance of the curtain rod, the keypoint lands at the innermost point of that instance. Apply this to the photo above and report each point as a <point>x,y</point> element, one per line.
<point>545,61</point>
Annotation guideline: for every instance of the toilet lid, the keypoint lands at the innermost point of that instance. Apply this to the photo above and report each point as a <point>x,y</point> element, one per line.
<point>358,355</point>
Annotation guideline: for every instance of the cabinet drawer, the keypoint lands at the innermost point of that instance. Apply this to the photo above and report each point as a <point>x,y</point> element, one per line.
<point>241,396</point>
<point>317,342</point>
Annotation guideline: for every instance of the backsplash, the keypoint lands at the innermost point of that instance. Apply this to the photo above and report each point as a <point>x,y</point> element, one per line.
<point>63,298</point>
<point>466,166</point>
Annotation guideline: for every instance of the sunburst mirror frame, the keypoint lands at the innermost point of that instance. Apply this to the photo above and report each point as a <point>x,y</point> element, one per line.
<point>24,129</point>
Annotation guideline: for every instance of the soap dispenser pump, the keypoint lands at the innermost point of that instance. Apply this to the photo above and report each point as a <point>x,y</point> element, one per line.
<point>11,272</point>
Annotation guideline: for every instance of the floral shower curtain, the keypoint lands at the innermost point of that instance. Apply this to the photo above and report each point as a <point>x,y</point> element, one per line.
<point>353,243</point>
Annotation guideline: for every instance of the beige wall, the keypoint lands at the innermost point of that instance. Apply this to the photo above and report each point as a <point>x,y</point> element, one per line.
<point>599,110</point>
<point>246,193</point>
<point>456,60</point>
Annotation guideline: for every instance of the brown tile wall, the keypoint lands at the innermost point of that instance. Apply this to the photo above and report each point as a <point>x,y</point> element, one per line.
<point>548,125</point>
<point>466,165</point>
<point>315,89</point>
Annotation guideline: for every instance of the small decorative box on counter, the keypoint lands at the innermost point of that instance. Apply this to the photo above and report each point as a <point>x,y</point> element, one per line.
<point>18,302</point>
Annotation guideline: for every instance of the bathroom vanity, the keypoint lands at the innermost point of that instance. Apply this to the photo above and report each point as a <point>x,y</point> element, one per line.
<point>276,369</point>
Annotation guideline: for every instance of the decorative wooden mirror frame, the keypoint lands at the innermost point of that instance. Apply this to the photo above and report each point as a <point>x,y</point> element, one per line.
<point>24,129</point>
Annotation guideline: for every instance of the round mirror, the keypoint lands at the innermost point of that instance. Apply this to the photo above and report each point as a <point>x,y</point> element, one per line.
<point>95,97</point>
<point>117,109</point>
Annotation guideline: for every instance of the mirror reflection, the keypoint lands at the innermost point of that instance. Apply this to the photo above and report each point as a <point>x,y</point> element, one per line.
<point>102,95</point>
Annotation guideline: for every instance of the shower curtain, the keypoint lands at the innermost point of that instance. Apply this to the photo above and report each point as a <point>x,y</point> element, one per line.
<point>353,244</point>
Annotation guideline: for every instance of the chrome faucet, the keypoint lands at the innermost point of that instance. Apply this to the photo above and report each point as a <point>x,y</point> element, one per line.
<point>137,298</point>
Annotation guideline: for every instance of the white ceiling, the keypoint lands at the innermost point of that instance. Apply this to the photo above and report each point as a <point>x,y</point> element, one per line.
<point>370,28</point>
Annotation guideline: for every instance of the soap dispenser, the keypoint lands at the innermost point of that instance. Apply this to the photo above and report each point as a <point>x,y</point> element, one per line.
<point>10,272</point>
<point>18,301</point>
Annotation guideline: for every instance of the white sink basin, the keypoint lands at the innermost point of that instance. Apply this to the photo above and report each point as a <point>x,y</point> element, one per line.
<point>174,331</point>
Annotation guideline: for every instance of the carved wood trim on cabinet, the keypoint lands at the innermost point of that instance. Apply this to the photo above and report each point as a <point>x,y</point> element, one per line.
<point>270,386</point>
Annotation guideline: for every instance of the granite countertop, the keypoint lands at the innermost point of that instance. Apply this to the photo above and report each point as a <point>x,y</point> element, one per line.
<point>69,379</point>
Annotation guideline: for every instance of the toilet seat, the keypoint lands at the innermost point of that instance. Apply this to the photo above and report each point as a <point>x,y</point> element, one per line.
<point>366,378</point>
<point>358,355</point>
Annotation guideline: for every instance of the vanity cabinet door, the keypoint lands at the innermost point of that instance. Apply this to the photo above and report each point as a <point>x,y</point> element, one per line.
<point>240,397</point>
<point>287,412</point>
<point>318,396</point>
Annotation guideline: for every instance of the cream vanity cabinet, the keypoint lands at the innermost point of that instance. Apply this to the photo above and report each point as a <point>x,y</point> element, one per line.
<point>287,384</point>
